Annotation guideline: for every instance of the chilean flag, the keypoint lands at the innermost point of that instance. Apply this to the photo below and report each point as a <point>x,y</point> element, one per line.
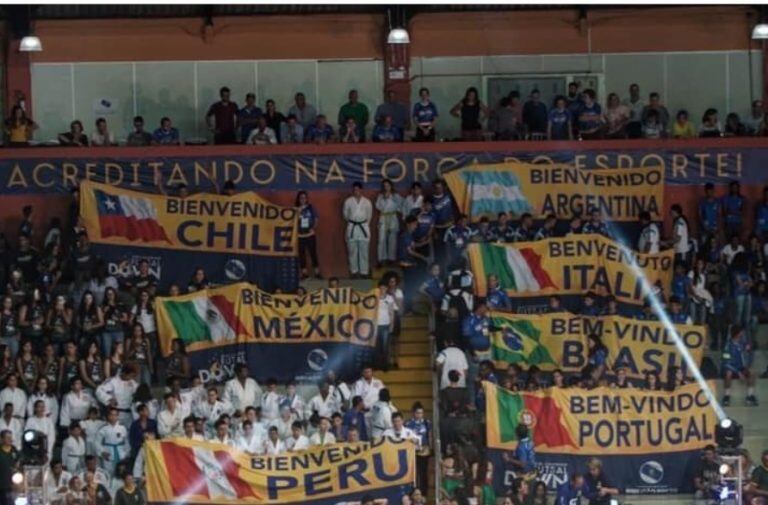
<point>134,218</point>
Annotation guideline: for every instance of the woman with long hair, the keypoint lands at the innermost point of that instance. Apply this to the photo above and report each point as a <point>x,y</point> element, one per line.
<point>652,382</point>
<point>90,319</point>
<point>597,356</point>
<point>9,325</point>
<point>198,281</point>
<point>59,322</point>
<point>675,378</point>
<point>308,219</point>
<point>92,366</point>
<point>19,127</point>
<point>113,365</point>
<point>27,366</point>
<point>42,391</point>
<point>139,351</point>
<point>32,318</point>
<point>701,298</point>
<point>69,366</point>
<point>49,367</point>
<point>177,364</point>
<point>7,366</point>
<point>115,317</point>
<point>472,112</point>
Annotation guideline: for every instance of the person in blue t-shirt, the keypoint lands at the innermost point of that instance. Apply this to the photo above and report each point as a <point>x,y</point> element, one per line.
<point>497,298</point>
<point>386,131</point>
<point>681,284</point>
<point>761,216</point>
<point>442,207</point>
<point>560,125</point>
<point>589,119</point>
<point>425,117</point>
<point>166,135</point>
<point>597,356</point>
<point>433,288</point>
<point>733,209</point>
<point>709,217</point>
<point>736,362</point>
<point>589,305</point>
<point>741,289</point>
<point>475,332</point>
<point>248,116</point>
<point>307,240</point>
<point>457,237</point>
<point>503,231</point>
<point>572,491</point>
<point>596,224</point>
<point>410,260</point>
<point>523,458</point>
<point>548,229</point>
<point>676,312</point>
<point>525,232</point>
<point>425,228</point>
<point>482,231</point>
<point>320,132</point>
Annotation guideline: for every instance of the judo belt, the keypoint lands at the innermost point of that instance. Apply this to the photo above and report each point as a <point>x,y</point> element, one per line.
<point>358,224</point>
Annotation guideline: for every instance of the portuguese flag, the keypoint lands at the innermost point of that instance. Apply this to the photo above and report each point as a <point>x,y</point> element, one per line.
<point>517,341</point>
<point>540,411</point>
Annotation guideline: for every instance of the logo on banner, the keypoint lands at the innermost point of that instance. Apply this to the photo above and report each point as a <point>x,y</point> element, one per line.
<point>129,266</point>
<point>235,269</point>
<point>317,359</point>
<point>651,472</point>
<point>528,418</point>
<point>553,475</point>
<point>221,368</point>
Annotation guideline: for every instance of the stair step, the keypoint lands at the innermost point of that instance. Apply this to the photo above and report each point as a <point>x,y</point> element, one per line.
<point>410,389</point>
<point>413,322</point>
<point>411,348</point>
<point>413,362</point>
<point>404,376</point>
<point>415,336</point>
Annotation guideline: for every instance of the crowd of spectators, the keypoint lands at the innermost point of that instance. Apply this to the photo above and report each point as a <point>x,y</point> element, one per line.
<point>576,115</point>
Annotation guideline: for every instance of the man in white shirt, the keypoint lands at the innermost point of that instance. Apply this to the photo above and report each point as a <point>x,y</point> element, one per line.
<point>649,235</point>
<point>452,358</point>
<point>250,441</point>
<point>323,403</point>
<point>189,430</point>
<point>273,445</point>
<point>118,391</point>
<point>385,323</point>
<point>399,432</point>
<point>262,135</point>
<point>75,404</point>
<point>57,483</point>
<point>42,423</point>
<point>211,410</point>
<point>368,387</point>
<point>323,435</point>
<point>112,442</point>
<point>221,434</point>
<point>170,422</point>
<point>270,402</point>
<point>297,441</point>
<point>731,249</point>
<point>679,234</point>
<point>12,393</point>
<point>242,391</point>
<point>13,424</point>
<point>73,450</point>
<point>357,213</point>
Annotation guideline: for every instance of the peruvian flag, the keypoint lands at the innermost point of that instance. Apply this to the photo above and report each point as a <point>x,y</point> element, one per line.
<point>196,471</point>
<point>134,218</point>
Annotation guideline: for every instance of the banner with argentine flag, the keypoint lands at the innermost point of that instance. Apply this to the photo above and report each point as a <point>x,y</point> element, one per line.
<point>282,336</point>
<point>180,470</point>
<point>570,265</point>
<point>561,190</point>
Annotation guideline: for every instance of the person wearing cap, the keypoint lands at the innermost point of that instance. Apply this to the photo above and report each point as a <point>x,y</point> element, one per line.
<point>600,492</point>
<point>735,364</point>
<point>357,212</point>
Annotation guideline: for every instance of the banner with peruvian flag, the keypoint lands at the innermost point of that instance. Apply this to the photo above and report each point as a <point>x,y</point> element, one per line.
<point>181,470</point>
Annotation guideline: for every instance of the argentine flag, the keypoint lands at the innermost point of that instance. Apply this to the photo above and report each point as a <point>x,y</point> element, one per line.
<point>494,191</point>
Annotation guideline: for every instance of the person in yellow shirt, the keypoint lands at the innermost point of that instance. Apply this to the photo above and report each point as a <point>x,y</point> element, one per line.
<point>19,128</point>
<point>682,128</point>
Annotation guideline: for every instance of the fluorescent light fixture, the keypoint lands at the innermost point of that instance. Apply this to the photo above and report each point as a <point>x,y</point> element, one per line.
<point>31,43</point>
<point>400,36</point>
<point>760,31</point>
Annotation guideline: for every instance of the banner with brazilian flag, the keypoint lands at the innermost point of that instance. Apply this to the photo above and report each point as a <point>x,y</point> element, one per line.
<point>561,341</point>
<point>646,439</point>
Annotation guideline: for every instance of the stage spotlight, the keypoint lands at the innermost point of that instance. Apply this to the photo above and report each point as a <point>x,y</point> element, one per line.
<point>21,500</point>
<point>724,469</point>
<point>728,434</point>
<point>34,448</point>
<point>17,478</point>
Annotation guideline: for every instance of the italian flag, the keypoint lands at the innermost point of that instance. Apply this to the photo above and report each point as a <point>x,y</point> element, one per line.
<point>517,341</point>
<point>519,268</point>
<point>201,471</point>
<point>539,411</point>
<point>204,319</point>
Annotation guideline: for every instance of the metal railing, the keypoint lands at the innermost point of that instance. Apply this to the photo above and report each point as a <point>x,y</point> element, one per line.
<point>437,450</point>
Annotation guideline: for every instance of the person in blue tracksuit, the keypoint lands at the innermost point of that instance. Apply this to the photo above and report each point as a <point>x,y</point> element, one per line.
<point>735,363</point>
<point>572,491</point>
<point>733,209</point>
<point>710,210</point>
<point>761,216</point>
<point>497,298</point>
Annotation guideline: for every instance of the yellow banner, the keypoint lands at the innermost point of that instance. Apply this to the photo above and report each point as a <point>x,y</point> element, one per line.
<point>574,264</point>
<point>185,471</point>
<point>241,224</point>
<point>241,313</point>
<point>602,421</point>
<point>562,190</point>
<point>559,340</point>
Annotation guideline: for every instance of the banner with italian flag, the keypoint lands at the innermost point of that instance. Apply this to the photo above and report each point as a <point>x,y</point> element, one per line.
<point>571,265</point>
<point>181,470</point>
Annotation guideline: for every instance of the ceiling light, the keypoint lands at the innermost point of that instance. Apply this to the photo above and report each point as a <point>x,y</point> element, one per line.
<point>31,43</point>
<point>760,31</point>
<point>400,36</point>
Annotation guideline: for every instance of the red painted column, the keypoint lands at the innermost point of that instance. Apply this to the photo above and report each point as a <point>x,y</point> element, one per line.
<point>18,76</point>
<point>765,73</point>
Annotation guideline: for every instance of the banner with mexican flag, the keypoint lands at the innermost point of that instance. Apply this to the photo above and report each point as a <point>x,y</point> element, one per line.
<point>572,265</point>
<point>561,341</point>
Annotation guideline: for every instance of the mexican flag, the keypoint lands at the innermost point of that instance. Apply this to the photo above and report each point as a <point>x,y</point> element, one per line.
<point>204,319</point>
<point>540,411</point>
<point>519,268</point>
<point>517,341</point>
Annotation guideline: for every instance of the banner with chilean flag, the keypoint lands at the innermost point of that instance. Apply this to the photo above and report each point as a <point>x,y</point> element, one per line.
<point>131,217</point>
